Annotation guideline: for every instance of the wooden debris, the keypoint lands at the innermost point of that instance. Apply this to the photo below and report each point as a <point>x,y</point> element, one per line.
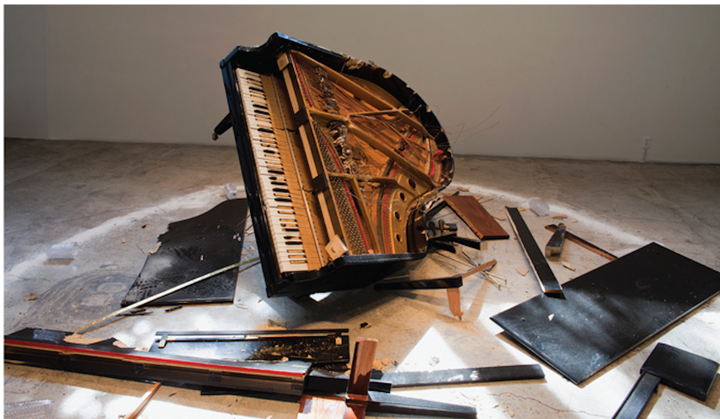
<point>81,340</point>
<point>497,217</point>
<point>584,243</point>
<point>377,365</point>
<point>484,267</point>
<point>122,239</point>
<point>460,188</point>
<point>121,344</point>
<point>476,217</point>
<point>568,266</point>
<point>559,217</point>
<point>32,297</point>
<point>453,295</point>
<point>522,272</point>
<point>144,401</point>
<point>157,246</point>
<point>385,361</point>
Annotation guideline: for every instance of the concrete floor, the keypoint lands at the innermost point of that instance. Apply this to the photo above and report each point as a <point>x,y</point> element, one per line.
<point>102,194</point>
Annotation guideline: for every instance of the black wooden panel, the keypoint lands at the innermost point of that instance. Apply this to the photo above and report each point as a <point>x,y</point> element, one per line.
<point>610,310</point>
<point>535,256</point>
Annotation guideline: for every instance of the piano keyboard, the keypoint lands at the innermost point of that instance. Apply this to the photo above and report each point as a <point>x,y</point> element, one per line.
<point>283,215</point>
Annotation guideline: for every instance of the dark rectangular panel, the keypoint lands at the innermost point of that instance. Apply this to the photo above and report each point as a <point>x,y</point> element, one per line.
<point>463,375</point>
<point>316,346</point>
<point>535,256</point>
<point>610,310</point>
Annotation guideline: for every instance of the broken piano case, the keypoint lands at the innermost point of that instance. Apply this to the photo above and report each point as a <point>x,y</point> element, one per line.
<point>340,161</point>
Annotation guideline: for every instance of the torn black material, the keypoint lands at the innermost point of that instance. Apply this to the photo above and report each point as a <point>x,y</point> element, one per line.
<point>192,248</point>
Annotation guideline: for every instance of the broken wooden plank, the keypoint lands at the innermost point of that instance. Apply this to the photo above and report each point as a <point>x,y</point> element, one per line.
<point>476,217</point>
<point>555,245</point>
<point>453,295</point>
<point>543,272</point>
<point>584,243</point>
<point>144,401</point>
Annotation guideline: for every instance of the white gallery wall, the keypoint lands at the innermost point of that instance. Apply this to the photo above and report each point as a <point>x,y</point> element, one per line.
<point>586,82</point>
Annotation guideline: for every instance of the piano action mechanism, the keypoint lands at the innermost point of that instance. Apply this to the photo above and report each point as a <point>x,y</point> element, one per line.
<point>340,160</point>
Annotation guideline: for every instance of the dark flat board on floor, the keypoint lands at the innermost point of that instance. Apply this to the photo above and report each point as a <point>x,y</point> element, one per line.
<point>540,266</point>
<point>461,375</point>
<point>476,217</point>
<point>192,248</point>
<point>610,310</point>
<point>317,346</point>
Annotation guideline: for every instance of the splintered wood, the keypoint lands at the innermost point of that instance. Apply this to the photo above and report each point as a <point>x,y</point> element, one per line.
<point>453,295</point>
<point>476,217</point>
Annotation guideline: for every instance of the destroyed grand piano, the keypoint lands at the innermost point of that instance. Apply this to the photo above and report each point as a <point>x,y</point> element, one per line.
<point>341,161</point>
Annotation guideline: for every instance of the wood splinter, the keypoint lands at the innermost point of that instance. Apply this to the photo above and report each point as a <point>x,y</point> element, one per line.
<point>144,401</point>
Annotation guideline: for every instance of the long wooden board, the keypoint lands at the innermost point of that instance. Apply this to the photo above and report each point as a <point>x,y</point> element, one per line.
<point>540,266</point>
<point>476,217</point>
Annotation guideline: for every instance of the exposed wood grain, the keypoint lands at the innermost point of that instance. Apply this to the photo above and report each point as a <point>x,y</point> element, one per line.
<point>476,217</point>
<point>361,366</point>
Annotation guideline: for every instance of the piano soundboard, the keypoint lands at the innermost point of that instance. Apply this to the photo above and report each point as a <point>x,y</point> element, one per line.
<point>340,160</point>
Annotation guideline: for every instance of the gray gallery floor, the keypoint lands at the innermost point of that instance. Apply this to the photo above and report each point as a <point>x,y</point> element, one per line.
<point>116,199</point>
